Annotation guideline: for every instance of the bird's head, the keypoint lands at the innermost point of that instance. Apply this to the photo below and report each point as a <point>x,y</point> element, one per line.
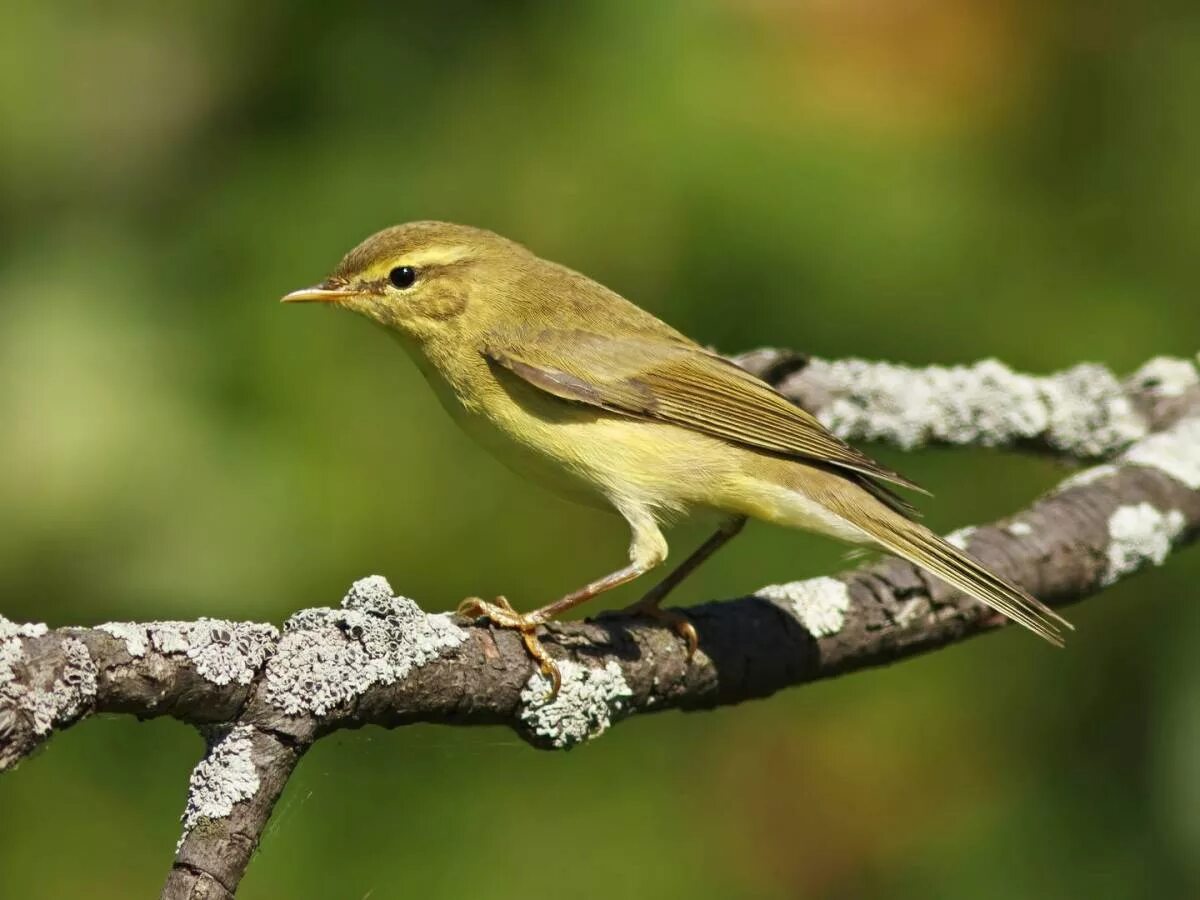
<point>420,278</point>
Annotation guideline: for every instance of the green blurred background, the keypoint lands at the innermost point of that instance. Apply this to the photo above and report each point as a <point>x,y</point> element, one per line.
<point>922,181</point>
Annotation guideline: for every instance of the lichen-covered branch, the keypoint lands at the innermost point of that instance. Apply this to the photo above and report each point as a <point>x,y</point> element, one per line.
<point>230,797</point>
<point>1085,412</point>
<point>263,695</point>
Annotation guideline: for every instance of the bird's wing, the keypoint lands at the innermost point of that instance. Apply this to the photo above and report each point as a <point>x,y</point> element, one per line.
<point>678,382</point>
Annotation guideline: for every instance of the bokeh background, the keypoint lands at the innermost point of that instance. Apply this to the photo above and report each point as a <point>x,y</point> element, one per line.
<point>913,180</point>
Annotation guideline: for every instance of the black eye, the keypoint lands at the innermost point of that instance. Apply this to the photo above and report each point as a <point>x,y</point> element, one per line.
<point>402,276</point>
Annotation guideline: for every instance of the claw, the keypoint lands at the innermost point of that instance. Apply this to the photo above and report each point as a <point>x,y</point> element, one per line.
<point>678,622</point>
<point>501,614</point>
<point>546,664</point>
<point>686,630</point>
<point>498,612</point>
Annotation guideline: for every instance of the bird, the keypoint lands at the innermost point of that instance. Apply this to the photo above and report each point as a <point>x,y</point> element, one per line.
<point>573,385</point>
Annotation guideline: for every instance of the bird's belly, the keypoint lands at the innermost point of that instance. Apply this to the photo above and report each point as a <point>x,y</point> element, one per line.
<point>535,460</point>
<point>527,444</point>
<point>603,459</point>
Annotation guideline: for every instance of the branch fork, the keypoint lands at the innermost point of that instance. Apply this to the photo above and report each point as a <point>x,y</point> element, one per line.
<point>263,695</point>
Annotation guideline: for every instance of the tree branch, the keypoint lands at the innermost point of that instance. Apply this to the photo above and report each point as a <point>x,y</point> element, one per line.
<point>1083,413</point>
<point>230,798</point>
<point>263,696</point>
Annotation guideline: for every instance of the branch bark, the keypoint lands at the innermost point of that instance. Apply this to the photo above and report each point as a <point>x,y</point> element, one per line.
<point>263,696</point>
<point>1083,413</point>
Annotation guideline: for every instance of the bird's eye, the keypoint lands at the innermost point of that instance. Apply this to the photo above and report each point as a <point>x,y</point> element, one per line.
<point>402,277</point>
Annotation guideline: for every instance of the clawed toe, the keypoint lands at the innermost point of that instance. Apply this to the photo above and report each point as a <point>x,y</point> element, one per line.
<point>678,622</point>
<point>686,630</point>
<point>498,612</point>
<point>546,664</point>
<point>501,614</point>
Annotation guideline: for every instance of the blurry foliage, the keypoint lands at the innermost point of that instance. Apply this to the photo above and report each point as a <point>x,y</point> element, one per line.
<point>926,181</point>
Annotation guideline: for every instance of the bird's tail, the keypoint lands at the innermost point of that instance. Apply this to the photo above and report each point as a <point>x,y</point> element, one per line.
<point>917,544</point>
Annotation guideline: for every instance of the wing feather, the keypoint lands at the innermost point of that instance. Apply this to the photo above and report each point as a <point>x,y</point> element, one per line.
<point>680,383</point>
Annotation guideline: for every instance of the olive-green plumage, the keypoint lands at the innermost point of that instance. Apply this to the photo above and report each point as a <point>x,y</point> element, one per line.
<point>574,385</point>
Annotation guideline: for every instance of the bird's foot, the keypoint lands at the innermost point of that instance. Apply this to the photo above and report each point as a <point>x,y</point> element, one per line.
<point>501,614</point>
<point>677,621</point>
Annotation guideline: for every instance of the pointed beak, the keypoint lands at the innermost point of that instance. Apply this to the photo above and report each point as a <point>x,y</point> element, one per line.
<point>317,294</point>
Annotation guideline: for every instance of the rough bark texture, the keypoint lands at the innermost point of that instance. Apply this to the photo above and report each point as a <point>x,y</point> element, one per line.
<point>213,855</point>
<point>262,695</point>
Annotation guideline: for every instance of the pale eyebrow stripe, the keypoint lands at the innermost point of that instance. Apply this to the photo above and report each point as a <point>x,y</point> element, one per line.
<point>435,256</point>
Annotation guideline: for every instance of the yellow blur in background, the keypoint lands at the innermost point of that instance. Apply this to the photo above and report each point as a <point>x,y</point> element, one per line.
<point>923,181</point>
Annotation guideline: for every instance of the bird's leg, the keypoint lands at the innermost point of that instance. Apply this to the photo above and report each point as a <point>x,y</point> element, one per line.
<point>646,551</point>
<point>649,604</point>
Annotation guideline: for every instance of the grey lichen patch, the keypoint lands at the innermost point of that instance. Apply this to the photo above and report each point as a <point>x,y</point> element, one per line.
<point>1089,412</point>
<point>225,777</point>
<point>962,537</point>
<point>135,635</point>
<point>1088,476</point>
<point>71,690</point>
<point>1139,534</point>
<point>1175,451</point>
<point>912,610</point>
<point>222,651</point>
<point>1166,376</point>
<point>10,629</point>
<point>590,698</point>
<point>328,657</point>
<point>1082,411</point>
<point>820,604</point>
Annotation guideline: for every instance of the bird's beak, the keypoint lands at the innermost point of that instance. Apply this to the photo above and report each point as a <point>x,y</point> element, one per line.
<point>318,294</point>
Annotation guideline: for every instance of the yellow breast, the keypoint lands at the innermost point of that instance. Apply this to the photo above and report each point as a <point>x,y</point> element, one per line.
<point>585,454</point>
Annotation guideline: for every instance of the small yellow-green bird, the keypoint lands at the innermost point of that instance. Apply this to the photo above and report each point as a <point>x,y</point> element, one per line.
<point>574,385</point>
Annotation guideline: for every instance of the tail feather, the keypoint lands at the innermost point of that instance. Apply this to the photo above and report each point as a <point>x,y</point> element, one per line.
<point>922,547</point>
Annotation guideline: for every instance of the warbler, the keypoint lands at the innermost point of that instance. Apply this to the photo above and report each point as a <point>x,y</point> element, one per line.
<point>574,385</point>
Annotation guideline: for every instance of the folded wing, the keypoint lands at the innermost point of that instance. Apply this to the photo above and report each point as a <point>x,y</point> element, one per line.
<point>680,383</point>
